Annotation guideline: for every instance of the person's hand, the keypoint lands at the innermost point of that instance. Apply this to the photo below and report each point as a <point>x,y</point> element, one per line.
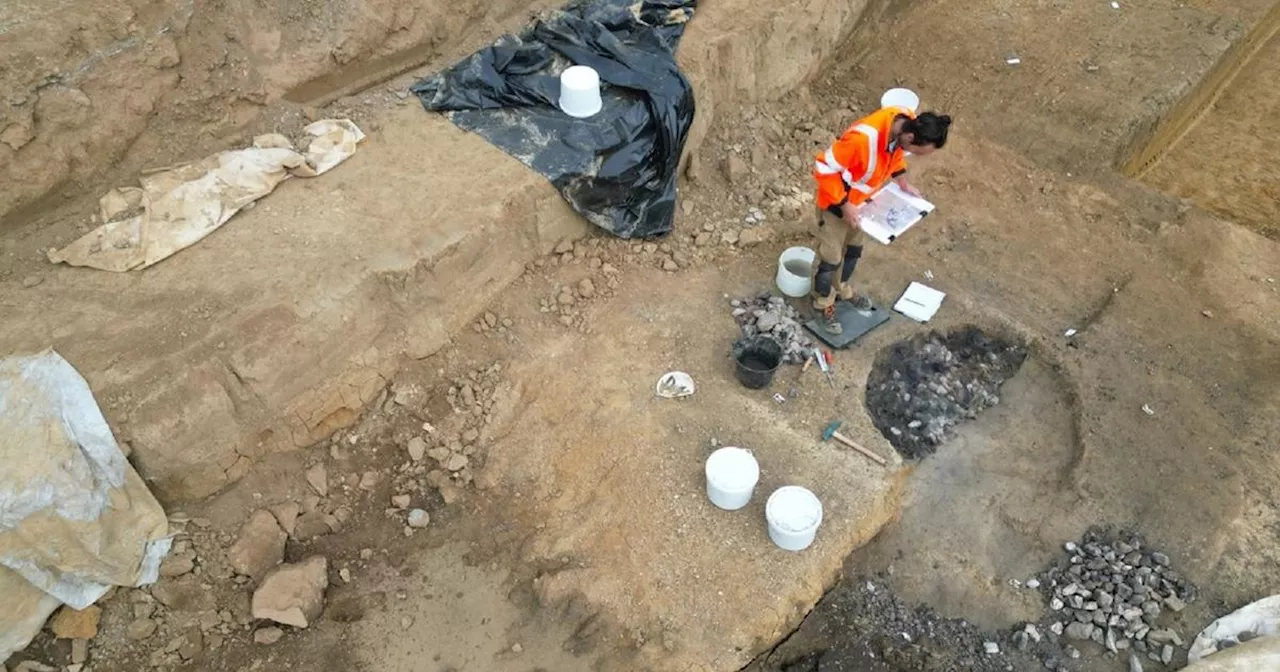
<point>909,188</point>
<point>849,212</point>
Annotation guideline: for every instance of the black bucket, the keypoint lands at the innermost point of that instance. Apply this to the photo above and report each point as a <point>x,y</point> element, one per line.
<point>757,359</point>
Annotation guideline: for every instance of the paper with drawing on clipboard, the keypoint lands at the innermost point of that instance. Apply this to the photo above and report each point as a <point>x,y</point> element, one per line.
<point>891,212</point>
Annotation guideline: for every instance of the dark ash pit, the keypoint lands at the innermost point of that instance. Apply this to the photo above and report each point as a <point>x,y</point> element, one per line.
<point>921,388</point>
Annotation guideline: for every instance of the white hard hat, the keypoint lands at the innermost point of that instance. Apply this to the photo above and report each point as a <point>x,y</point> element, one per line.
<point>900,98</point>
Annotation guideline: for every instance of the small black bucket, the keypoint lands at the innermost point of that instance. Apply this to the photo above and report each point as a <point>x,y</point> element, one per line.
<point>757,359</point>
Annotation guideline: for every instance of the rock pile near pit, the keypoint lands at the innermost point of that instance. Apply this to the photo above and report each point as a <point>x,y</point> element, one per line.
<point>1113,590</point>
<point>921,388</point>
<point>774,317</point>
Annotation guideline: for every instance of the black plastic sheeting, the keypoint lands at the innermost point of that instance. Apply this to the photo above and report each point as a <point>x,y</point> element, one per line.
<point>617,168</point>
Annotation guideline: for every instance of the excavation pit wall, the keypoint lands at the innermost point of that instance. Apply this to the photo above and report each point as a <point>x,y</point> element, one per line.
<point>297,312</point>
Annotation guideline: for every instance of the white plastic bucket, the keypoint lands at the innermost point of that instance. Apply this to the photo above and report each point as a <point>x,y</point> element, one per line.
<point>732,474</point>
<point>795,271</point>
<point>900,98</point>
<point>580,91</point>
<point>793,514</point>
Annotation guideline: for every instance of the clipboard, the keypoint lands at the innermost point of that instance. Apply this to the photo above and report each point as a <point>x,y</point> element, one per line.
<point>891,212</point>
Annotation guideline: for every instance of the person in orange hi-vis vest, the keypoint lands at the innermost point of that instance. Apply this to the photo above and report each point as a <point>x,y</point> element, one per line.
<point>869,154</point>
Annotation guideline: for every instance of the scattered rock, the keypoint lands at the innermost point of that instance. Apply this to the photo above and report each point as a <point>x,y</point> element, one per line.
<point>311,525</point>
<point>269,635</point>
<point>670,265</point>
<point>31,281</point>
<point>318,478</point>
<point>293,594</point>
<point>586,288</point>
<point>33,666</point>
<point>564,247</point>
<point>141,629</point>
<point>754,236</point>
<point>991,648</point>
<point>259,546</point>
<point>417,448</point>
<point>736,169</point>
<point>419,518</point>
<point>177,564</point>
<point>470,436</point>
<point>401,501</point>
<point>79,651</point>
<point>456,462</point>
<point>69,623</point>
<point>287,515</point>
<point>1080,631</point>
<point>369,480</point>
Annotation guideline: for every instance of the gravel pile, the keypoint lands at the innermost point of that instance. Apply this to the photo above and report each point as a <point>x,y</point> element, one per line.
<point>774,317</point>
<point>919,389</point>
<point>1112,591</point>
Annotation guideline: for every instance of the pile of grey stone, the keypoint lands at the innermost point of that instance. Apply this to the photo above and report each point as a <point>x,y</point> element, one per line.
<point>774,317</point>
<point>1113,591</point>
<point>919,389</point>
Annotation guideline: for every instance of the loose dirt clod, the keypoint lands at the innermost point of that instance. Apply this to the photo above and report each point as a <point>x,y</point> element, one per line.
<point>921,388</point>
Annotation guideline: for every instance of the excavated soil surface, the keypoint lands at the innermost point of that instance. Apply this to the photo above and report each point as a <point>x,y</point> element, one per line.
<point>1176,311</point>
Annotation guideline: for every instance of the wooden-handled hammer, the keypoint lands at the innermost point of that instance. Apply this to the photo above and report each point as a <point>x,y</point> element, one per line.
<point>833,432</point>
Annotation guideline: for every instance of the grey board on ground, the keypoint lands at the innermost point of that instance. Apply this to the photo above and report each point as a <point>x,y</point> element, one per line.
<point>856,324</point>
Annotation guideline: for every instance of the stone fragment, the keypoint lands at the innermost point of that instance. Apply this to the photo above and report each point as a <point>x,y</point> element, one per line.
<point>419,518</point>
<point>670,265</point>
<point>69,623</point>
<point>286,514</point>
<point>259,546</point>
<point>1080,631</point>
<point>293,594</point>
<point>369,480</point>
<point>991,648</point>
<point>141,629</point>
<point>311,525</point>
<point>417,448</point>
<point>79,651</point>
<point>268,635</point>
<point>456,462</point>
<point>1166,654</point>
<point>177,564</point>
<point>586,288</point>
<point>735,169</point>
<point>401,501</point>
<point>1160,559</point>
<point>318,478</point>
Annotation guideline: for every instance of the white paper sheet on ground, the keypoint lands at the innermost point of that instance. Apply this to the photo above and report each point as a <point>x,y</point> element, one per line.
<point>920,302</point>
<point>891,212</point>
<point>178,207</point>
<point>75,518</point>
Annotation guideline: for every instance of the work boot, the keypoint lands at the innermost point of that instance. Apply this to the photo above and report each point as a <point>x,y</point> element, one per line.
<point>830,323</point>
<point>861,303</point>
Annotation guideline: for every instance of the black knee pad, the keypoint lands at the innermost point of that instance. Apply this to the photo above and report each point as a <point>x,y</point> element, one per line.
<point>822,280</point>
<point>851,255</point>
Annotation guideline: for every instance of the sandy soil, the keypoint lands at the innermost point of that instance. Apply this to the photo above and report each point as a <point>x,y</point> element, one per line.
<point>569,540</point>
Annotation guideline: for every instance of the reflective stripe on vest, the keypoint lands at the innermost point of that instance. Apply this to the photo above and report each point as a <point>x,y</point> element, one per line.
<point>830,166</point>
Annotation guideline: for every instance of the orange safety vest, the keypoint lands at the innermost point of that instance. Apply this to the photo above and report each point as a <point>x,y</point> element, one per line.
<point>859,163</point>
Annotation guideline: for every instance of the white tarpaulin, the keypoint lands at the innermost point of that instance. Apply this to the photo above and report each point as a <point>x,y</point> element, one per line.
<point>75,518</point>
<point>1246,640</point>
<point>178,207</point>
